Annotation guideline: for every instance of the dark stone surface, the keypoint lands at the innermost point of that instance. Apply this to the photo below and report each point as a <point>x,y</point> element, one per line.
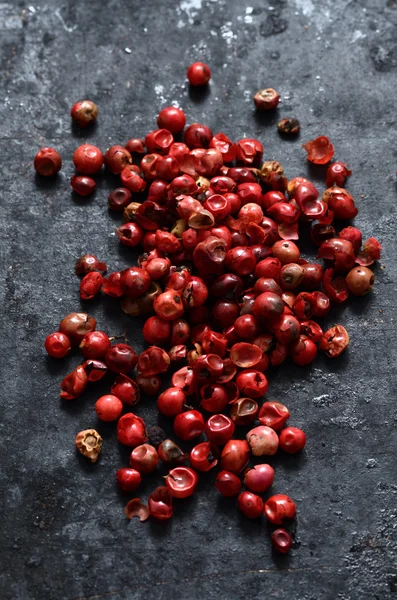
<point>63,531</point>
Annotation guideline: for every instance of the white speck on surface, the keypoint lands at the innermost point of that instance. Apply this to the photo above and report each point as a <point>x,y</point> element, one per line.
<point>357,35</point>
<point>248,19</point>
<point>249,10</point>
<point>159,89</point>
<point>66,27</point>
<point>145,30</point>
<point>180,24</point>
<point>321,397</point>
<point>128,50</point>
<point>191,8</point>
<point>227,33</point>
<point>32,9</point>
<point>305,6</point>
<point>371,463</point>
<point>318,77</point>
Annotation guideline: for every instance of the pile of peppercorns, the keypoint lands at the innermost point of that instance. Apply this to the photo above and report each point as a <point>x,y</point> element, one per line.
<point>226,293</point>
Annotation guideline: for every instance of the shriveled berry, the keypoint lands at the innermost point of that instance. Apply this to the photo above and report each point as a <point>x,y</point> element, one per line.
<point>84,113</point>
<point>289,126</point>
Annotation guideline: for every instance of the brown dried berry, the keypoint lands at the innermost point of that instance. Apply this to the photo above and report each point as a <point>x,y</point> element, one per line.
<point>289,126</point>
<point>89,444</point>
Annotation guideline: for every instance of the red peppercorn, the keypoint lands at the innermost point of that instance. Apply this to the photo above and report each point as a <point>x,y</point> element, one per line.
<point>76,325</point>
<point>82,185</point>
<point>47,162</point>
<point>153,361</point>
<point>181,481</point>
<point>116,159</point>
<point>160,503</point>
<point>144,458</point>
<point>263,441</point>
<point>170,453</point>
<point>126,390</point>
<point>131,430</point>
<point>130,234</point>
<point>189,425</point>
<point>57,344</point>
<point>88,159</point>
<point>134,282</point>
<point>132,180</point>
<point>360,281</point>
<point>135,146</point>
<point>172,118</point>
<point>292,440</point>
<point>74,384</point>
<point>171,402</point>
<point>334,341</point>
<point>88,263</point>
<point>90,285</point>
<point>260,478</point>
<point>250,505</point>
<point>274,415</point>
<point>111,285</point>
<point>303,351</point>
<point>281,541</point>
<point>198,74</point>
<point>219,429</point>
<point>266,99</point>
<point>337,173</point>
<point>128,479</point>
<point>235,455</point>
<point>108,408</point>
<point>243,410</point>
<point>278,508</point>
<point>228,484</point>
<point>84,113</point>
<point>95,369</point>
<point>204,457</point>
<point>168,305</point>
<point>159,141</point>
<point>252,383</point>
<point>121,358</point>
<point>197,136</point>
<point>319,151</point>
<point>95,344</point>
<point>341,203</point>
<point>149,385</point>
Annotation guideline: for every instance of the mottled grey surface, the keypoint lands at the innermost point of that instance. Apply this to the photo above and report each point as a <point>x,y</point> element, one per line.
<point>63,531</point>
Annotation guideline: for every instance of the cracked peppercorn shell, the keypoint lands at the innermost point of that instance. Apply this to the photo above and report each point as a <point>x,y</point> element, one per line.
<point>289,126</point>
<point>89,444</point>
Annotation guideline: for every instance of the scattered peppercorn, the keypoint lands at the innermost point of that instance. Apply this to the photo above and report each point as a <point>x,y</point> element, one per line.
<point>289,126</point>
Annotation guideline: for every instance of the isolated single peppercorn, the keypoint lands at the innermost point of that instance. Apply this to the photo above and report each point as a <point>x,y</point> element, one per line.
<point>89,444</point>
<point>198,74</point>
<point>47,162</point>
<point>57,345</point>
<point>281,541</point>
<point>83,185</point>
<point>360,281</point>
<point>289,126</point>
<point>266,99</point>
<point>84,113</point>
<point>108,408</point>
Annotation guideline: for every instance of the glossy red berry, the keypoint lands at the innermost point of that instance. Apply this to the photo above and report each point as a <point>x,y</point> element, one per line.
<point>281,541</point>
<point>204,457</point>
<point>303,351</point>
<point>90,285</point>
<point>292,440</point>
<point>121,358</point>
<point>228,484</point>
<point>108,408</point>
<point>319,151</point>
<point>144,458</point>
<point>169,306</point>
<point>266,99</point>
<point>337,173</point>
<point>252,383</point>
<point>83,185</point>
<point>172,118</point>
<point>171,402</point>
<point>263,441</point>
<point>134,282</point>
<point>197,135</point>
<point>131,430</point>
<point>219,429</point>
<point>88,159</point>
<point>235,455</point>
<point>135,146</point>
<point>153,361</point>
<point>279,508</point>
<point>250,505</point>
<point>88,263</point>
<point>95,344</point>
<point>274,415</point>
<point>47,162</point>
<point>94,369</point>
<point>198,74</point>
<point>126,389</point>
<point>57,344</point>
<point>74,384</point>
<point>160,503</point>
<point>182,481</point>
<point>259,479</point>
<point>128,479</point>
<point>360,281</point>
<point>116,158</point>
<point>76,325</point>
<point>84,113</point>
<point>189,425</point>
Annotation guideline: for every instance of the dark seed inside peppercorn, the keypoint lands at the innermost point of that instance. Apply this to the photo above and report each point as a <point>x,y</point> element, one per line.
<point>289,126</point>
<point>156,435</point>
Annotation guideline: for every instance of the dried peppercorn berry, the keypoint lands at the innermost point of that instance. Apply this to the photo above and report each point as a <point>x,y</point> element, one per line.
<point>119,199</point>
<point>319,151</point>
<point>204,457</point>
<point>259,479</point>
<point>337,173</point>
<point>89,444</point>
<point>90,285</point>
<point>82,185</point>
<point>57,344</point>
<point>134,282</point>
<point>360,281</point>
<point>95,344</point>
<point>198,74</point>
<point>126,389</point>
<point>303,351</point>
<point>47,162</point>
<point>289,126</point>
<point>228,484</point>
<point>170,403</point>
<point>235,455</point>
<point>116,158</point>
<point>88,159</point>
<point>274,415</point>
<point>108,408</point>
<point>172,118</point>
<point>95,369</point>
<point>131,430</point>
<point>88,263</point>
<point>250,505</point>
<point>121,358</point>
<point>279,508</point>
<point>76,325</point>
<point>266,99</point>
<point>334,341</point>
<point>149,385</point>
<point>219,429</point>
<point>144,458</point>
<point>135,146</point>
<point>112,286</point>
<point>189,425</point>
<point>281,541</point>
<point>130,234</point>
<point>160,503</point>
<point>84,113</point>
<point>128,479</point>
<point>263,441</point>
<point>181,481</point>
<point>292,440</point>
<point>171,453</point>
<point>156,435</point>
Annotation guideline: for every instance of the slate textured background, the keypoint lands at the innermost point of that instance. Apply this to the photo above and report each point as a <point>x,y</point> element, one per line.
<point>63,531</point>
